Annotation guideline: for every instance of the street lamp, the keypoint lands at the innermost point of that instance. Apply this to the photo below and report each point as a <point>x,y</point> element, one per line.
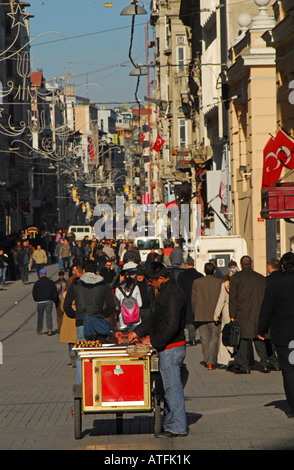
<point>133,9</point>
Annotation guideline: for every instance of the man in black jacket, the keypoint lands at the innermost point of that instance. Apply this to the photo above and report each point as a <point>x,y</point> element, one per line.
<point>91,295</point>
<point>185,281</point>
<point>277,315</point>
<point>165,325</point>
<point>45,294</point>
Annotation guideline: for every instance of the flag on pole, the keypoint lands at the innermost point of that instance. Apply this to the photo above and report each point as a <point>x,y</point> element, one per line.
<point>92,154</point>
<point>223,187</point>
<point>159,143</point>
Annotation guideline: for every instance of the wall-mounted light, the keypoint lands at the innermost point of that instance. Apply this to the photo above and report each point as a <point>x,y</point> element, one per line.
<point>243,171</point>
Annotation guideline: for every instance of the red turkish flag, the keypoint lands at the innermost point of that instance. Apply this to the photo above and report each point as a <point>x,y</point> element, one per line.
<point>272,166</point>
<point>285,149</point>
<point>277,153</point>
<point>158,144</point>
<point>92,154</point>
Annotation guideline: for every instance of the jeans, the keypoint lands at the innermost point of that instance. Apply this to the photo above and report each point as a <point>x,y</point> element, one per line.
<point>3,274</point>
<point>44,307</point>
<point>80,337</point>
<point>170,362</point>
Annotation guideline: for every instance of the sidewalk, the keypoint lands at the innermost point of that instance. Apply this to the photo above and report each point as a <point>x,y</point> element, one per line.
<point>225,411</point>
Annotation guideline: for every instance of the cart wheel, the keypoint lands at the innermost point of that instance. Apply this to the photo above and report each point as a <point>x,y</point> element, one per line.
<point>157,416</point>
<point>78,418</point>
<point>119,423</point>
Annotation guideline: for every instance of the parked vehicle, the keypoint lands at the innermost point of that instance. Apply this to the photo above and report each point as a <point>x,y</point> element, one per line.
<point>144,244</point>
<point>81,231</point>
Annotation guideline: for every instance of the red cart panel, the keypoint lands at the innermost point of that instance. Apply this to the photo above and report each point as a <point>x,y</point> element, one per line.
<point>123,383</point>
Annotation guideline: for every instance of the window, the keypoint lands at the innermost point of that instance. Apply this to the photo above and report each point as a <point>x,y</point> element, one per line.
<point>181,59</point>
<point>182,132</point>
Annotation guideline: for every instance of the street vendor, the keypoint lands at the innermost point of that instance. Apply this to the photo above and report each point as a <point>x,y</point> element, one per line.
<point>165,325</point>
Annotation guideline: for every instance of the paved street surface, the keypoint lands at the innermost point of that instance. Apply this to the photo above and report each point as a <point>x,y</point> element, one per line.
<point>225,411</point>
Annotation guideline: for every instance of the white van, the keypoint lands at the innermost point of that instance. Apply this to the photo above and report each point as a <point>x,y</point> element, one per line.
<point>222,248</point>
<point>144,244</point>
<point>81,231</point>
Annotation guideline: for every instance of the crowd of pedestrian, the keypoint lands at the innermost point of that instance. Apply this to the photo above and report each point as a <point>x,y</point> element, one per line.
<point>169,301</point>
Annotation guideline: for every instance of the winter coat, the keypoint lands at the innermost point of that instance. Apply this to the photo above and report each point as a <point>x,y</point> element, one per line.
<point>65,251</point>
<point>45,289</point>
<point>166,323</point>
<point>68,332</point>
<point>98,300</point>
<point>185,281</point>
<point>277,312</point>
<point>205,294</point>
<point>246,295</point>
<point>40,256</point>
<point>176,256</point>
<point>3,260</point>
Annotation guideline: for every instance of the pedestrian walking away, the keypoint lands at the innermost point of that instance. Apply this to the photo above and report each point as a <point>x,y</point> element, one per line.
<point>221,313</point>
<point>23,259</point>
<point>205,294</point>
<point>165,325</point>
<point>60,286</point>
<point>45,294</point>
<point>127,291</point>
<point>246,295</point>
<point>277,317</point>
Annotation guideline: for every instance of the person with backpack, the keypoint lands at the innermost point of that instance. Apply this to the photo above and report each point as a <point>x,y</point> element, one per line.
<point>129,298</point>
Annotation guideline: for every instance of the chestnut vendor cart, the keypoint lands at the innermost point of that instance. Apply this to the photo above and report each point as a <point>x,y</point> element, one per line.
<point>118,379</point>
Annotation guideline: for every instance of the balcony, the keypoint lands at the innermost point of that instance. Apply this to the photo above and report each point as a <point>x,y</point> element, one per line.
<point>183,159</point>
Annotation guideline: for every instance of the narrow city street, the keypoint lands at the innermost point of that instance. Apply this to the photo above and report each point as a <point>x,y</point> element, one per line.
<point>225,411</point>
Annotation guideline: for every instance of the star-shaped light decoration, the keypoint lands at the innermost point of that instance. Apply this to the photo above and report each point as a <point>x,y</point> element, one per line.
<point>18,17</point>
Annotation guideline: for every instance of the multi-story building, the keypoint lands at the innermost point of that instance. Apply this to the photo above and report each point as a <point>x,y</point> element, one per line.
<point>14,104</point>
<point>176,97</point>
<point>251,78</point>
<point>280,231</point>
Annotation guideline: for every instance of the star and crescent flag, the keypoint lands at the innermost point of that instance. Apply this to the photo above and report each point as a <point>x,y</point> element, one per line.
<point>277,154</point>
<point>158,143</point>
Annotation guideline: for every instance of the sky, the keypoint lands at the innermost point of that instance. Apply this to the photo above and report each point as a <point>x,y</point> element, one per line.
<point>87,44</point>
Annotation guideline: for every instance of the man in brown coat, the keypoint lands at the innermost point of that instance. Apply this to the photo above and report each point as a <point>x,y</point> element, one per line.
<point>205,294</point>
<point>247,289</point>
